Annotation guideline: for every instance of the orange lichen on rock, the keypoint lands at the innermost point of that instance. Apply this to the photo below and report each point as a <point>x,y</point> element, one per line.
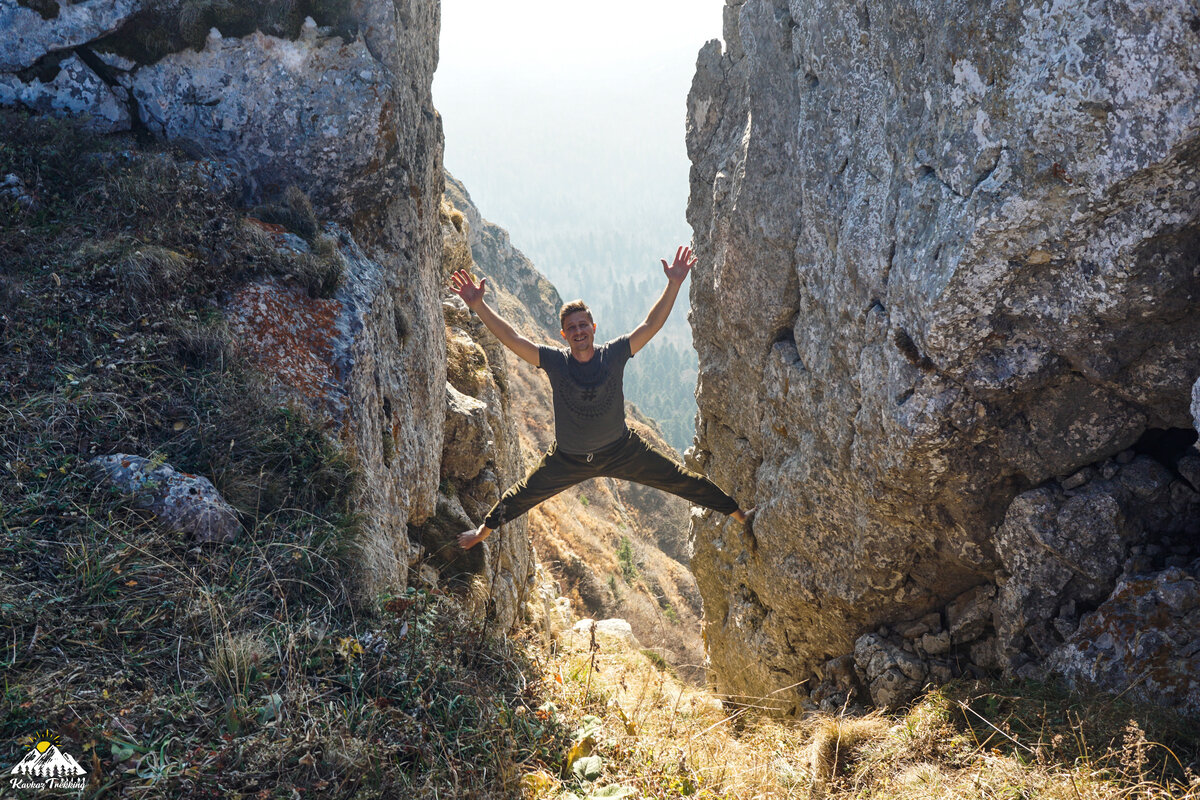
<point>290,336</point>
<point>269,227</point>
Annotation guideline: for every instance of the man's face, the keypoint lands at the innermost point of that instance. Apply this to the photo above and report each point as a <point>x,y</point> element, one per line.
<point>579,331</point>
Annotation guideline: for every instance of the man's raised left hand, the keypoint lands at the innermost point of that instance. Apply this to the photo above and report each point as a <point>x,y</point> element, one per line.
<point>684,261</point>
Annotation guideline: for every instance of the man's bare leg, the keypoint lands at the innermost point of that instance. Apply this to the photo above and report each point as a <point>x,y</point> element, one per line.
<point>468,539</point>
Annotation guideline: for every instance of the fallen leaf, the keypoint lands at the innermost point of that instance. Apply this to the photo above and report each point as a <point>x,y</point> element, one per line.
<point>588,768</point>
<point>579,750</point>
<point>614,791</point>
<point>630,727</point>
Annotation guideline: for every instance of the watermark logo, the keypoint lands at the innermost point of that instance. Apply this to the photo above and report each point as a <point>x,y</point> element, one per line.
<point>45,766</point>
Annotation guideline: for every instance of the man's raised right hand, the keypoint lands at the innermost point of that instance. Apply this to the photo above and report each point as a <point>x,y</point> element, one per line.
<point>465,287</point>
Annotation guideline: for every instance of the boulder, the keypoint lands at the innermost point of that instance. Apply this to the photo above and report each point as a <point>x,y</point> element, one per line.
<point>946,255</point>
<point>1060,547</point>
<point>184,502</point>
<point>615,630</point>
<point>468,437</point>
<point>1145,638</point>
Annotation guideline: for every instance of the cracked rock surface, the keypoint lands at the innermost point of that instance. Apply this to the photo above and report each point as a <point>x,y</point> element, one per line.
<point>947,255</point>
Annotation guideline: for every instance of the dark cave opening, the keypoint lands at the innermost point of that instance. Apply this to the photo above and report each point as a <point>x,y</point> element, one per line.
<point>1167,445</point>
<point>1172,535</point>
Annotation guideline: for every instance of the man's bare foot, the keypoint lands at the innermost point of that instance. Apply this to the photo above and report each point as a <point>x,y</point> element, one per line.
<point>748,526</point>
<point>468,539</point>
<point>742,516</point>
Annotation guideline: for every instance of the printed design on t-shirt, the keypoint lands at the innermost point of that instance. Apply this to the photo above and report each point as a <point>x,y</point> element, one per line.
<point>588,392</point>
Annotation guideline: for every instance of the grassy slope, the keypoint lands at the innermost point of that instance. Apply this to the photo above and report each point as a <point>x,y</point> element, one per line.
<point>173,670</point>
<point>659,738</point>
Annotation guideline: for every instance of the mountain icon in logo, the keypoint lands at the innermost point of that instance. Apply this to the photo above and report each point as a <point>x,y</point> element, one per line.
<point>45,760</point>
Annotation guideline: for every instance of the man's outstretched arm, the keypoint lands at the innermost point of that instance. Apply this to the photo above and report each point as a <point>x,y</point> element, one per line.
<point>472,295</point>
<point>676,273</point>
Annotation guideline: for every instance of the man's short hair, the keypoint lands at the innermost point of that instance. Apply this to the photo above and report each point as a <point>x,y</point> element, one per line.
<point>571,308</point>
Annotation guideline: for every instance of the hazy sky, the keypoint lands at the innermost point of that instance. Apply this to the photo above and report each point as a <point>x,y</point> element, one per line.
<point>521,35</point>
<point>565,117</point>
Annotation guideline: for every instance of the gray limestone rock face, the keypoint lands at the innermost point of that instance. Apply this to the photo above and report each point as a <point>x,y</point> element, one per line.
<point>946,253</point>
<point>360,360</point>
<point>477,368</point>
<point>184,502</point>
<point>468,437</point>
<point>348,118</point>
<point>335,134</point>
<point>481,451</point>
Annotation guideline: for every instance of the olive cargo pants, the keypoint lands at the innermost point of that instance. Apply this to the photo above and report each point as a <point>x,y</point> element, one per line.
<point>630,458</point>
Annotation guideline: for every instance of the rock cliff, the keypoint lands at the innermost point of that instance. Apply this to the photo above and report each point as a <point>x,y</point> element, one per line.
<point>948,265</point>
<point>321,109</point>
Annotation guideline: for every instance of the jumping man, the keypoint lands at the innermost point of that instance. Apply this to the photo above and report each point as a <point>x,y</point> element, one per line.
<point>591,437</point>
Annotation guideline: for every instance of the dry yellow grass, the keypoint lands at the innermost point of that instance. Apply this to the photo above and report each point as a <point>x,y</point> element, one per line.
<point>661,738</point>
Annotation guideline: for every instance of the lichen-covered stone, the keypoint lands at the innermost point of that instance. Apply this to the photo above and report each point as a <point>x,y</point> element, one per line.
<point>1145,638</point>
<point>185,502</point>
<point>931,277</point>
<point>75,91</point>
<point>360,359</point>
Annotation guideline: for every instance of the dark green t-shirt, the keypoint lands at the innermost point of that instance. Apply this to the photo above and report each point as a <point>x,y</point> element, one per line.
<point>589,398</point>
